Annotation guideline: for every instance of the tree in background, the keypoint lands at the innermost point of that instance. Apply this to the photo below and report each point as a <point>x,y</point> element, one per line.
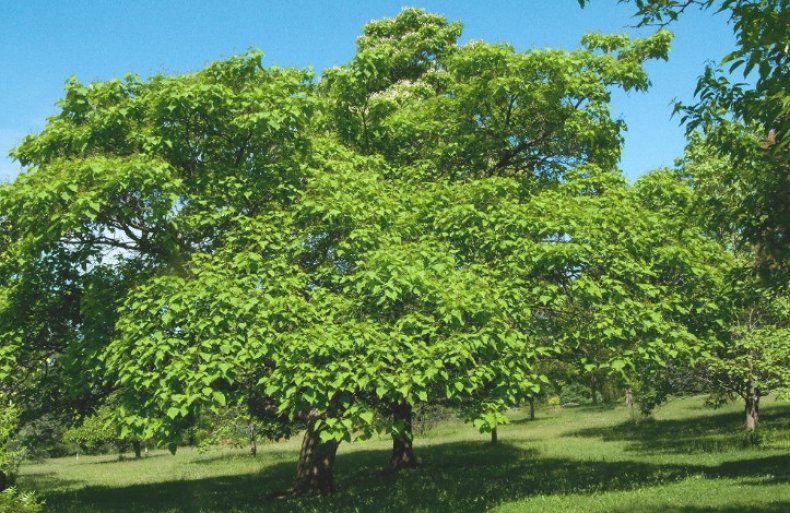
<point>746,124</point>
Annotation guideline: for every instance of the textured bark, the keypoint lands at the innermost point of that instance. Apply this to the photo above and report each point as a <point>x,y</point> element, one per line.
<point>253,440</point>
<point>138,450</point>
<point>494,436</point>
<point>3,481</point>
<point>752,409</point>
<point>402,449</point>
<point>316,461</point>
<point>531,408</point>
<point>593,389</point>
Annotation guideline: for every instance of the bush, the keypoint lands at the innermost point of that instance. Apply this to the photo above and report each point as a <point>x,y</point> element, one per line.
<point>574,394</point>
<point>14,501</point>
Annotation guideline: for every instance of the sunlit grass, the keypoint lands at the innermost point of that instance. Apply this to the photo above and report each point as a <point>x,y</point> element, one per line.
<point>688,459</point>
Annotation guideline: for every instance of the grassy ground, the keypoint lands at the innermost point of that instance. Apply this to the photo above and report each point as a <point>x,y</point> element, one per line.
<point>687,460</point>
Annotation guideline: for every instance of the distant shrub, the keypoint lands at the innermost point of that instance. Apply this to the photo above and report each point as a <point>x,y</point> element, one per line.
<point>575,394</point>
<point>554,400</point>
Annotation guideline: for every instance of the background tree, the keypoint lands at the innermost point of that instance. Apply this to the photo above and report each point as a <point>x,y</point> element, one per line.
<point>754,360</point>
<point>746,123</point>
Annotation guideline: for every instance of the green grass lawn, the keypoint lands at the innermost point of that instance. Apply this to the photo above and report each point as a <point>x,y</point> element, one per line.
<point>688,459</point>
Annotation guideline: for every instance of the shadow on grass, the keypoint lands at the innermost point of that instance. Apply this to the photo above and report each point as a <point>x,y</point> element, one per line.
<point>126,459</point>
<point>703,434</point>
<point>48,481</point>
<point>464,477</point>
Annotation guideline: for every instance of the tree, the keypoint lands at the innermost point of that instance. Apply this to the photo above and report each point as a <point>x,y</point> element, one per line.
<point>102,430</point>
<point>754,359</point>
<point>751,352</point>
<point>325,255</point>
<point>127,181</point>
<point>746,124</point>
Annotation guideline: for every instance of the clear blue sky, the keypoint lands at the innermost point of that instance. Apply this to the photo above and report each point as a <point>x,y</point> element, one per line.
<point>42,42</point>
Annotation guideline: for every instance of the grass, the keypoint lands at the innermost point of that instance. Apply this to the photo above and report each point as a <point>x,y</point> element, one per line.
<point>686,460</point>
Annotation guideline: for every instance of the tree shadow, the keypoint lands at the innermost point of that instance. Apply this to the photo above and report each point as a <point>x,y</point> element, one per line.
<point>691,435</point>
<point>126,459</point>
<point>463,477</point>
<point>48,481</point>
<point>770,469</point>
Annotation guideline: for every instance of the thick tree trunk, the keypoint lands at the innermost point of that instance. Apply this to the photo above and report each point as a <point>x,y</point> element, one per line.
<point>138,449</point>
<point>253,440</point>
<point>3,481</point>
<point>494,436</point>
<point>752,409</point>
<point>593,388</point>
<point>531,408</point>
<point>316,461</point>
<point>402,449</point>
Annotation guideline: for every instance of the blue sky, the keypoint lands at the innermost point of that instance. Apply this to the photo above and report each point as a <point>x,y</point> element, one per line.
<point>44,42</point>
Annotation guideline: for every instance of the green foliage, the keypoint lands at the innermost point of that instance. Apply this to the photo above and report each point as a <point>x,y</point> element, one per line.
<point>15,501</point>
<point>747,125</point>
<point>365,256</point>
<point>574,394</point>
<point>97,433</point>
<point>42,437</point>
<point>756,355</point>
<point>11,454</point>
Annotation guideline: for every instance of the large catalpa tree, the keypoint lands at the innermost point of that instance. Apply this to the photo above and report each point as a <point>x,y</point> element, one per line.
<point>128,181</point>
<point>321,254</point>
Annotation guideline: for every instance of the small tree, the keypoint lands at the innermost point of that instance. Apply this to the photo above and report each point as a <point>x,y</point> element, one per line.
<point>100,431</point>
<point>754,360</point>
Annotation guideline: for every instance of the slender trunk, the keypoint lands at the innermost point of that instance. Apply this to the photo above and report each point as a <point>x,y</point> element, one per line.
<point>3,481</point>
<point>752,408</point>
<point>138,449</point>
<point>494,436</point>
<point>253,440</point>
<point>316,460</point>
<point>402,449</point>
<point>531,408</point>
<point>593,383</point>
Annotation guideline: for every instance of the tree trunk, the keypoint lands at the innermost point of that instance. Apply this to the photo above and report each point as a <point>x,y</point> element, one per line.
<point>752,408</point>
<point>253,440</point>
<point>531,408</point>
<point>593,395</point>
<point>316,460</point>
<point>138,450</point>
<point>402,449</point>
<point>494,436</point>
<point>3,481</point>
